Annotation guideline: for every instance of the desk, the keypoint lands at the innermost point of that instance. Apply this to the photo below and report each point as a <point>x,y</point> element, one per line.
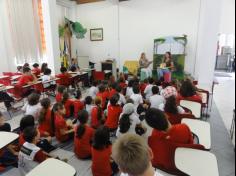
<point>7,138</point>
<point>52,167</point>
<point>196,162</point>
<point>13,78</point>
<point>202,130</point>
<point>4,77</point>
<point>6,88</point>
<point>195,107</point>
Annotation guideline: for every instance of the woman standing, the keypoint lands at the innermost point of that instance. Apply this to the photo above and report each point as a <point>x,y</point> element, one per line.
<point>144,65</point>
<point>167,66</point>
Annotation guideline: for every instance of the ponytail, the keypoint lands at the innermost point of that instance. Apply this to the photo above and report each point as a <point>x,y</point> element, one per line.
<point>80,131</point>
<point>83,119</point>
<point>45,103</point>
<point>55,108</point>
<point>125,123</point>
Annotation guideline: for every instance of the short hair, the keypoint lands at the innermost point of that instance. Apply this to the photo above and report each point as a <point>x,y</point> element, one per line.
<point>101,138</point>
<point>78,94</point>
<point>155,90</point>
<point>151,80</point>
<point>33,99</point>
<point>26,121</point>
<point>95,83</point>
<point>47,71</point>
<point>119,89</point>
<point>131,153</point>
<point>136,89</point>
<point>102,88</point>
<point>73,68</point>
<point>26,69</point>
<point>88,100</point>
<point>156,119</point>
<point>36,65</point>
<point>61,89</point>
<point>114,100</point>
<point>30,133</point>
<point>63,69</point>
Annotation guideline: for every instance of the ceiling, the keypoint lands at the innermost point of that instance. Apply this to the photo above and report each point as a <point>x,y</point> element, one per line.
<point>86,1</point>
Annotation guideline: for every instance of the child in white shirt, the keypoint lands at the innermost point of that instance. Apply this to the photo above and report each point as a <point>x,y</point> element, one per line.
<point>33,106</point>
<point>92,92</point>
<point>47,77</point>
<point>156,100</point>
<point>148,91</point>
<point>136,97</point>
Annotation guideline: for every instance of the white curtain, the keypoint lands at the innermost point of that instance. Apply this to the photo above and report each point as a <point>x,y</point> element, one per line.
<point>24,27</point>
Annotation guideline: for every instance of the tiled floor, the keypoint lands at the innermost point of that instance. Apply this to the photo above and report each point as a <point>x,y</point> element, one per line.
<point>221,146</point>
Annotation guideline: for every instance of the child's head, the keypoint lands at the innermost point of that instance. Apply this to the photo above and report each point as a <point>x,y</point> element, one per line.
<point>83,119</point>
<point>101,138</point>
<point>26,71</point>
<point>19,68</point>
<point>151,80</point>
<point>26,65</point>
<point>95,84</point>
<point>27,121</point>
<point>98,101</point>
<point>45,103</point>
<point>132,154</point>
<point>171,105</point>
<point>88,100</point>
<point>78,94</point>
<point>157,119</point>
<point>73,68</point>
<point>131,83</point>
<point>102,88</point>
<point>114,99</point>
<point>63,69</point>
<point>7,127</point>
<point>61,89</point>
<point>65,97</point>
<point>59,108</point>
<point>36,65</point>
<point>44,66</point>
<point>145,81</point>
<point>119,89</point>
<point>155,90</point>
<point>187,89</point>
<point>47,71</point>
<point>33,99</point>
<point>136,89</point>
<point>31,135</point>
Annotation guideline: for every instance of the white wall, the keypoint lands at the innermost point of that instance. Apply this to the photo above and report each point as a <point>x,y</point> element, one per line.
<point>99,15</point>
<point>139,22</point>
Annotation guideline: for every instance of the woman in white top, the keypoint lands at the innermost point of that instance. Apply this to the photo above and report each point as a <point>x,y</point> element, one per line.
<point>46,79</point>
<point>144,65</point>
<point>136,97</point>
<point>128,121</point>
<point>33,106</point>
<point>171,106</point>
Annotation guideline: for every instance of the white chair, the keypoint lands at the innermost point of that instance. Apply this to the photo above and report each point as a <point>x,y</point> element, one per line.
<point>195,107</point>
<point>196,162</point>
<point>201,129</point>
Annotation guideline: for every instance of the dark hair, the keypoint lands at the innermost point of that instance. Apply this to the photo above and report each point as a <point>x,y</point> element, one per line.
<point>61,89</point>
<point>63,69</point>
<point>26,65</point>
<point>26,121</point>
<point>36,65</point>
<point>170,55</point>
<point>78,94</point>
<point>156,119</point>
<point>102,88</point>
<point>114,100</point>
<point>171,105</point>
<point>101,138</point>
<point>124,123</point>
<point>29,134</point>
<point>151,80</point>
<point>73,68</point>
<point>47,71</point>
<point>26,69</point>
<point>119,89</point>
<point>187,89</point>
<point>165,85</point>
<point>130,101</point>
<point>19,68</point>
<point>33,99</point>
<point>55,108</point>
<point>45,103</point>
<point>65,97</point>
<point>131,83</point>
<point>95,83</point>
<point>136,89</point>
<point>88,100</point>
<point>83,119</point>
<point>114,85</point>
<point>155,90</point>
<point>98,103</point>
<point>43,67</point>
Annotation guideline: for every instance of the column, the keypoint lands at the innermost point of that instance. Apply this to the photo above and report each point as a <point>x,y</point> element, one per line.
<point>210,13</point>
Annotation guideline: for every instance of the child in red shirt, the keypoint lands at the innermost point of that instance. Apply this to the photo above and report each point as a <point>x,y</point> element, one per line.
<point>36,70</point>
<point>63,130</point>
<point>65,77</point>
<point>101,154</point>
<point>112,90</point>
<point>45,118</point>
<point>27,78</point>
<point>60,90</point>
<point>113,113</point>
<point>68,104</point>
<point>78,104</point>
<point>97,114</point>
<point>103,95</point>
<point>83,137</point>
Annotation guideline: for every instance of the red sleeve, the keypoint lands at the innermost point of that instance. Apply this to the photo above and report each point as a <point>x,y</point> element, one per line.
<point>40,157</point>
<point>22,81</point>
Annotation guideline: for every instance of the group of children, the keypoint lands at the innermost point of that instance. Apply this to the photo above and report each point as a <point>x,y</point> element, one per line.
<point>112,109</point>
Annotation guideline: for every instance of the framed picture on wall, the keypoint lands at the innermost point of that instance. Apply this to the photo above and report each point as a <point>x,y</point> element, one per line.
<point>96,34</point>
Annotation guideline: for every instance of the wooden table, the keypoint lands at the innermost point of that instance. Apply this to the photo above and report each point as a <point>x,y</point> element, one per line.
<point>195,107</point>
<point>196,162</point>
<point>52,167</point>
<point>201,129</point>
<point>6,138</point>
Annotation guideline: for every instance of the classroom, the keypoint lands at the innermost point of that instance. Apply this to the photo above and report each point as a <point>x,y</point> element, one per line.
<point>117,87</point>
